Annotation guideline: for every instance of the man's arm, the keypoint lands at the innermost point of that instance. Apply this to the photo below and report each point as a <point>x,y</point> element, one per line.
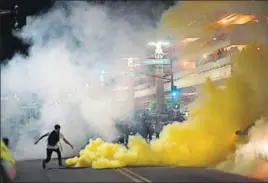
<point>41,137</point>
<point>67,142</point>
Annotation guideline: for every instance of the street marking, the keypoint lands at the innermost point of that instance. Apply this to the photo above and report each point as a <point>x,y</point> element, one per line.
<point>128,176</point>
<point>136,175</point>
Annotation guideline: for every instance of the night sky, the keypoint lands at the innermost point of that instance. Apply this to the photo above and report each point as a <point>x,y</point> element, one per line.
<point>11,44</point>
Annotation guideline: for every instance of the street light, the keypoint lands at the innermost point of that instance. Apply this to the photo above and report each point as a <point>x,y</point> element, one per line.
<point>159,48</point>
<point>160,54</point>
<point>131,61</point>
<point>159,43</point>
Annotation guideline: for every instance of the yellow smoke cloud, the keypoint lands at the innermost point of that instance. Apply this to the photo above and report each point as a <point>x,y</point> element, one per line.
<point>208,136</point>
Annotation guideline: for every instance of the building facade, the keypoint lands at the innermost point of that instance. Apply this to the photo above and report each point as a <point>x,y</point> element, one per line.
<point>205,39</point>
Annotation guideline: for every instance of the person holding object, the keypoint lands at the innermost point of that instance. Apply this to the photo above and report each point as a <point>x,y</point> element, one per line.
<point>53,144</point>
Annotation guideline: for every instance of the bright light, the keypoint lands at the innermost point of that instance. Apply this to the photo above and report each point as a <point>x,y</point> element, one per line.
<point>188,65</point>
<point>205,56</point>
<point>121,88</point>
<point>224,21</point>
<point>214,39</point>
<point>258,48</point>
<point>188,94</point>
<point>189,40</point>
<point>158,43</point>
<point>174,93</point>
<point>131,61</point>
<point>159,48</point>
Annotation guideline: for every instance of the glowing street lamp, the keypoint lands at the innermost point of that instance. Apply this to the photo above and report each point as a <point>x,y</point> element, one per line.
<point>131,62</point>
<point>102,77</point>
<point>159,48</point>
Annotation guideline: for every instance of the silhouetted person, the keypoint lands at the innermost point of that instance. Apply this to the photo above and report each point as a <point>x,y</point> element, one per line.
<point>6,141</point>
<point>158,125</point>
<point>53,144</point>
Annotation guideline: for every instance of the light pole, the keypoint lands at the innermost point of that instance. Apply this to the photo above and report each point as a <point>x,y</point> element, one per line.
<point>158,52</point>
<point>159,83</point>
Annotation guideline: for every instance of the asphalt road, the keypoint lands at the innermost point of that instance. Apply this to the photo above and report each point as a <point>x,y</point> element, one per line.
<point>31,171</point>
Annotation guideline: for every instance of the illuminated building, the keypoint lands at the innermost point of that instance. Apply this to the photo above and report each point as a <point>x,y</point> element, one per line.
<point>205,35</point>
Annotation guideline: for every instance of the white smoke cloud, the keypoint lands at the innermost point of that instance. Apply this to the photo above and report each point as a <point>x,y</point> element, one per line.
<point>72,44</point>
<point>251,152</point>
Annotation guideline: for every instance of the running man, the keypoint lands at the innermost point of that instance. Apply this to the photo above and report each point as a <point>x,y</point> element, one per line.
<point>53,144</point>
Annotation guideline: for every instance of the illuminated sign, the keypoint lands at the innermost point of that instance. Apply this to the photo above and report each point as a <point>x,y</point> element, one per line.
<point>156,61</point>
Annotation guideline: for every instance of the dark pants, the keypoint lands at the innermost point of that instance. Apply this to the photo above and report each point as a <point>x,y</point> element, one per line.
<point>148,134</point>
<point>49,154</point>
<point>123,139</point>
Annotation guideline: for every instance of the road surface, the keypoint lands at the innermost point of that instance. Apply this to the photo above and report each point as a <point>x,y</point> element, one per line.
<point>31,171</point>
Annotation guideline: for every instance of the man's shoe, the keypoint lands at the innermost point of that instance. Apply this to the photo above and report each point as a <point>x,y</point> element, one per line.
<point>44,165</point>
<point>62,166</point>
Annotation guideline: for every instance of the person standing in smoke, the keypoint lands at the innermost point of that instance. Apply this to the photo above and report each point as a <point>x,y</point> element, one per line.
<point>53,144</point>
<point>6,141</point>
<point>147,130</point>
<point>143,132</point>
<point>158,126</point>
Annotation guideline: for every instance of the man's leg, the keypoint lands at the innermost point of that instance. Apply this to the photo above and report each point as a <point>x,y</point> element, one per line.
<point>150,136</point>
<point>49,153</point>
<point>59,156</point>
<point>127,136</point>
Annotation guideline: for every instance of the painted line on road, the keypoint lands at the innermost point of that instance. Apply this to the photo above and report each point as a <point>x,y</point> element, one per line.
<point>128,176</point>
<point>136,175</point>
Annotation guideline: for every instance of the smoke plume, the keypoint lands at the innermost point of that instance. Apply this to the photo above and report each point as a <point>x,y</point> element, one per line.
<point>208,137</point>
<point>59,83</point>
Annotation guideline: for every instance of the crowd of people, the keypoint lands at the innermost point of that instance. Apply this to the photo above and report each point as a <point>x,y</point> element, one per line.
<point>146,124</point>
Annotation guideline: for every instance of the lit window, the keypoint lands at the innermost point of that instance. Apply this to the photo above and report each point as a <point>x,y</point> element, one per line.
<point>188,65</point>
<point>189,40</point>
<point>234,19</point>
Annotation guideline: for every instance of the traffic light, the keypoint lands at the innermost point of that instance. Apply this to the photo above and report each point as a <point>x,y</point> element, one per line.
<point>175,91</point>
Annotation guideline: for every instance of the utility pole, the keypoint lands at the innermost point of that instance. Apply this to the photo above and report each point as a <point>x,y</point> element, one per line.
<point>159,83</point>
<point>171,78</point>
